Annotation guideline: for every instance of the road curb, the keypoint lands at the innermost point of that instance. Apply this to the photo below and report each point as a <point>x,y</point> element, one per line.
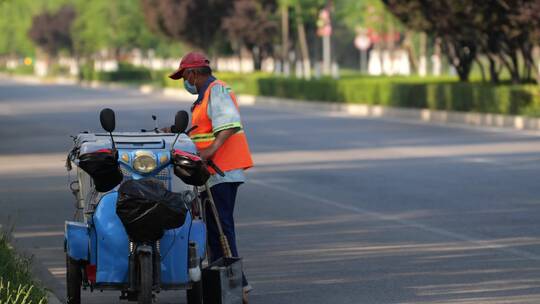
<point>487,120</point>
<point>52,299</point>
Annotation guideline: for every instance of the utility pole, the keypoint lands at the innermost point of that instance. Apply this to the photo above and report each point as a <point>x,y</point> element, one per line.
<point>362,42</point>
<point>324,30</point>
<point>422,66</point>
<point>326,55</point>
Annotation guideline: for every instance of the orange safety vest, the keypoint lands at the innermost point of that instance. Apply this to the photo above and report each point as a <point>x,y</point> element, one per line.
<point>234,153</point>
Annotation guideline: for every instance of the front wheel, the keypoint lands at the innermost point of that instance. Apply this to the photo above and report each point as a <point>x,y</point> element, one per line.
<point>73,281</point>
<point>145,279</point>
<point>195,294</point>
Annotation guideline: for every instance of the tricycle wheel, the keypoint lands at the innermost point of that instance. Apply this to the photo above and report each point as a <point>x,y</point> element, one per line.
<point>145,279</point>
<point>73,280</point>
<point>195,294</point>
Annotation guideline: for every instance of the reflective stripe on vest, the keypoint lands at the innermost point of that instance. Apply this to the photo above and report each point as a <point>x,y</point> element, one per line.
<point>209,137</point>
<point>234,153</point>
<point>203,137</point>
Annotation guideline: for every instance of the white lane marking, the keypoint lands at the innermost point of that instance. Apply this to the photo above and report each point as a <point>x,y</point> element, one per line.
<point>39,164</point>
<point>36,234</point>
<point>58,271</point>
<point>396,219</point>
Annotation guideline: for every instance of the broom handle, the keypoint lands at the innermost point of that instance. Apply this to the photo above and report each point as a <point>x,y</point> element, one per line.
<point>222,238</point>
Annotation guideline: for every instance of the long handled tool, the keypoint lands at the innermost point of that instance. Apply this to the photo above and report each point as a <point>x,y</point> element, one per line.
<point>222,237</point>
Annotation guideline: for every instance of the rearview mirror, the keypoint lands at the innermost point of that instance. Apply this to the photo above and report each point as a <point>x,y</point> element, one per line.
<point>108,122</point>
<point>181,121</point>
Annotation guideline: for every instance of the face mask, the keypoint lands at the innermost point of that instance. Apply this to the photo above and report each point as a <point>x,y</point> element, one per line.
<point>190,87</point>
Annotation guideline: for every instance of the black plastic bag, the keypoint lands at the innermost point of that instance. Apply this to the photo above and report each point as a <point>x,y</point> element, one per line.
<point>104,169</point>
<point>147,208</point>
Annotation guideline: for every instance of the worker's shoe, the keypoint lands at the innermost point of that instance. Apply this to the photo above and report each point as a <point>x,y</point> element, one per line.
<point>245,298</point>
<point>246,290</point>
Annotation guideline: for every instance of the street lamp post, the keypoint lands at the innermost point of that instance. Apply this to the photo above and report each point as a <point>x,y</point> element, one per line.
<point>362,43</point>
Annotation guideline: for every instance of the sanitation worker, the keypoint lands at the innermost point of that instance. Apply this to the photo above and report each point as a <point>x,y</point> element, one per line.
<point>219,137</point>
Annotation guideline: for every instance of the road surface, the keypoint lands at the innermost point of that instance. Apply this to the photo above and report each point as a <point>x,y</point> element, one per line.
<point>337,210</point>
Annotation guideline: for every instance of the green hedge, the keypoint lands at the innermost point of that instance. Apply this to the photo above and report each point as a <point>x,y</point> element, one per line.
<point>436,93</point>
<point>428,93</point>
<point>240,83</point>
<point>125,73</point>
<point>20,70</point>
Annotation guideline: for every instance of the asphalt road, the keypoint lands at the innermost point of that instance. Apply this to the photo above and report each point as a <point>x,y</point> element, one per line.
<point>337,210</point>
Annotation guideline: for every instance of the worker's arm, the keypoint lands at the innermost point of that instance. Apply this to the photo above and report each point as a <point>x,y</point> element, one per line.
<point>221,137</point>
<point>225,119</point>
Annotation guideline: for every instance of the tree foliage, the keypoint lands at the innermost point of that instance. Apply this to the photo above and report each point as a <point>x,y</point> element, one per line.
<point>499,33</point>
<point>15,21</point>
<point>215,25</point>
<point>116,26</point>
<point>502,30</point>
<point>250,25</point>
<point>194,21</point>
<point>52,31</point>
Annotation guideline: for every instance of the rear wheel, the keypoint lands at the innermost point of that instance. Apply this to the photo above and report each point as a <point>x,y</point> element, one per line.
<point>73,281</point>
<point>145,279</point>
<point>195,294</point>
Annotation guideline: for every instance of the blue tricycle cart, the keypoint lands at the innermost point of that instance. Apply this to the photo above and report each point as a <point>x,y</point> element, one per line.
<point>137,229</point>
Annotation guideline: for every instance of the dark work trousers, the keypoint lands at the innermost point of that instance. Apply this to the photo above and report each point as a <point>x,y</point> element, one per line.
<point>224,197</point>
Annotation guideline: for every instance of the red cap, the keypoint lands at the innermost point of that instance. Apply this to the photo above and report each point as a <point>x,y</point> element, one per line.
<point>190,60</point>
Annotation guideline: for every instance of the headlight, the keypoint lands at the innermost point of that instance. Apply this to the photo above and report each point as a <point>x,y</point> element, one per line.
<point>144,161</point>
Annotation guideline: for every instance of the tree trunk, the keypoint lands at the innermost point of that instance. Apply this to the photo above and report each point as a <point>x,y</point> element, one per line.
<point>515,64</point>
<point>481,66</point>
<point>527,52</point>
<point>536,68</point>
<point>422,66</point>
<point>285,37</point>
<point>411,53</point>
<point>463,71</point>
<point>306,62</point>
<point>437,60</point>
<point>461,60</point>
<point>493,71</point>
<point>510,65</point>
<point>256,57</point>
<point>237,48</point>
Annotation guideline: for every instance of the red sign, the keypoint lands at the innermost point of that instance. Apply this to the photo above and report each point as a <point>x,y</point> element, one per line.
<point>362,42</point>
<point>324,24</point>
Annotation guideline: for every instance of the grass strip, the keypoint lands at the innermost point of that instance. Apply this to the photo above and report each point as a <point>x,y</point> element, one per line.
<point>17,286</point>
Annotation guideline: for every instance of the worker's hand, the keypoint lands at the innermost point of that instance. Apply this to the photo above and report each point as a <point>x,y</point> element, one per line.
<point>207,153</point>
<point>166,130</point>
